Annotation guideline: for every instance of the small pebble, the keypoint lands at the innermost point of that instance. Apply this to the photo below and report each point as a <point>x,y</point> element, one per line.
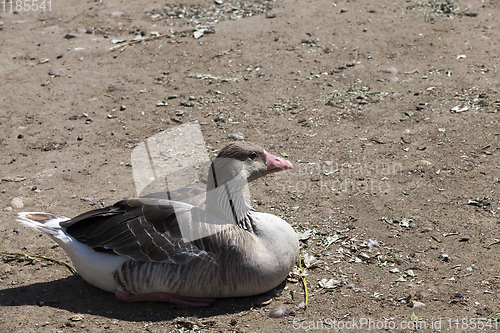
<point>237,136</point>
<point>187,104</point>
<point>179,113</point>
<point>327,211</point>
<point>424,162</point>
<point>391,70</point>
<point>52,27</point>
<point>57,72</point>
<point>77,317</point>
<point>192,98</point>
<point>406,138</point>
<point>220,118</point>
<point>16,203</point>
<point>172,97</point>
<point>418,304</point>
<point>80,138</point>
<point>20,136</point>
<point>123,108</point>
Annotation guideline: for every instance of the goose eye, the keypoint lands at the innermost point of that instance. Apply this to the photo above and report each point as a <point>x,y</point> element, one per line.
<point>253,155</point>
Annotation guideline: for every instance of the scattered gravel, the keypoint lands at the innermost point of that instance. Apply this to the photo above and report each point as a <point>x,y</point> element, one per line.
<point>209,15</point>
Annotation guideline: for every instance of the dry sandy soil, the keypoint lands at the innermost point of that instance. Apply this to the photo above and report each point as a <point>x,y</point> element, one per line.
<point>388,110</point>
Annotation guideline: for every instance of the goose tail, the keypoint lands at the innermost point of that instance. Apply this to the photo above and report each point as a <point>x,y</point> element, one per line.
<point>43,222</point>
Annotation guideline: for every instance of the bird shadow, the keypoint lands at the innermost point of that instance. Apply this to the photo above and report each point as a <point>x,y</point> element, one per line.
<point>75,295</point>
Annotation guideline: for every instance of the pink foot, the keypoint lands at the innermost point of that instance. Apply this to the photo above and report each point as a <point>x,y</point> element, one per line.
<point>164,297</point>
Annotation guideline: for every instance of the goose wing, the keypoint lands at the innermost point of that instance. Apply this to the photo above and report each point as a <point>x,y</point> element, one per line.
<point>152,229</point>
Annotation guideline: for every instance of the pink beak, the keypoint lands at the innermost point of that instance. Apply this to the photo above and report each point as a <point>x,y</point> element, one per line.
<point>276,164</point>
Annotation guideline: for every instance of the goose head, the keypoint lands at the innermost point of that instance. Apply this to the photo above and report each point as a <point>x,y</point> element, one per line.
<point>243,162</point>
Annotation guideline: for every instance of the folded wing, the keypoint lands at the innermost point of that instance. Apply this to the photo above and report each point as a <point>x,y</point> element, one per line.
<point>149,229</point>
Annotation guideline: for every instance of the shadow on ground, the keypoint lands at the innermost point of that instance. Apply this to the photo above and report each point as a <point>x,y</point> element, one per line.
<point>75,295</point>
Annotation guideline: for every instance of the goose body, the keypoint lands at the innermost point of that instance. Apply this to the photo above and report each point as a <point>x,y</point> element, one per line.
<point>184,246</point>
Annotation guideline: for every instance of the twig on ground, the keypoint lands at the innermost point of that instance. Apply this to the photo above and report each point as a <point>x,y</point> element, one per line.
<point>303,282</point>
<point>72,270</point>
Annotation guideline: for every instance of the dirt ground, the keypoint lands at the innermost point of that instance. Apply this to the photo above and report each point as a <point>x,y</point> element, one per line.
<point>388,109</point>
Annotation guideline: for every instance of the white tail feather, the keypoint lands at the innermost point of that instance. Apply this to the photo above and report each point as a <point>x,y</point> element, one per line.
<point>43,222</point>
<point>95,267</point>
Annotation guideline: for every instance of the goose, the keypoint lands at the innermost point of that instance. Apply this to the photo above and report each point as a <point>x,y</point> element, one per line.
<point>186,246</point>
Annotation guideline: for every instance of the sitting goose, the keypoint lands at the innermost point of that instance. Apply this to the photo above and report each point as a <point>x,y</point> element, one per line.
<point>183,246</point>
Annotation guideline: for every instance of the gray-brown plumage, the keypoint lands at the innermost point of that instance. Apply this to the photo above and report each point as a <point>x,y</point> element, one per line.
<point>183,246</point>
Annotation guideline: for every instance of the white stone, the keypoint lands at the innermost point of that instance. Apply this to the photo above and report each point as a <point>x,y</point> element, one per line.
<point>16,203</point>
